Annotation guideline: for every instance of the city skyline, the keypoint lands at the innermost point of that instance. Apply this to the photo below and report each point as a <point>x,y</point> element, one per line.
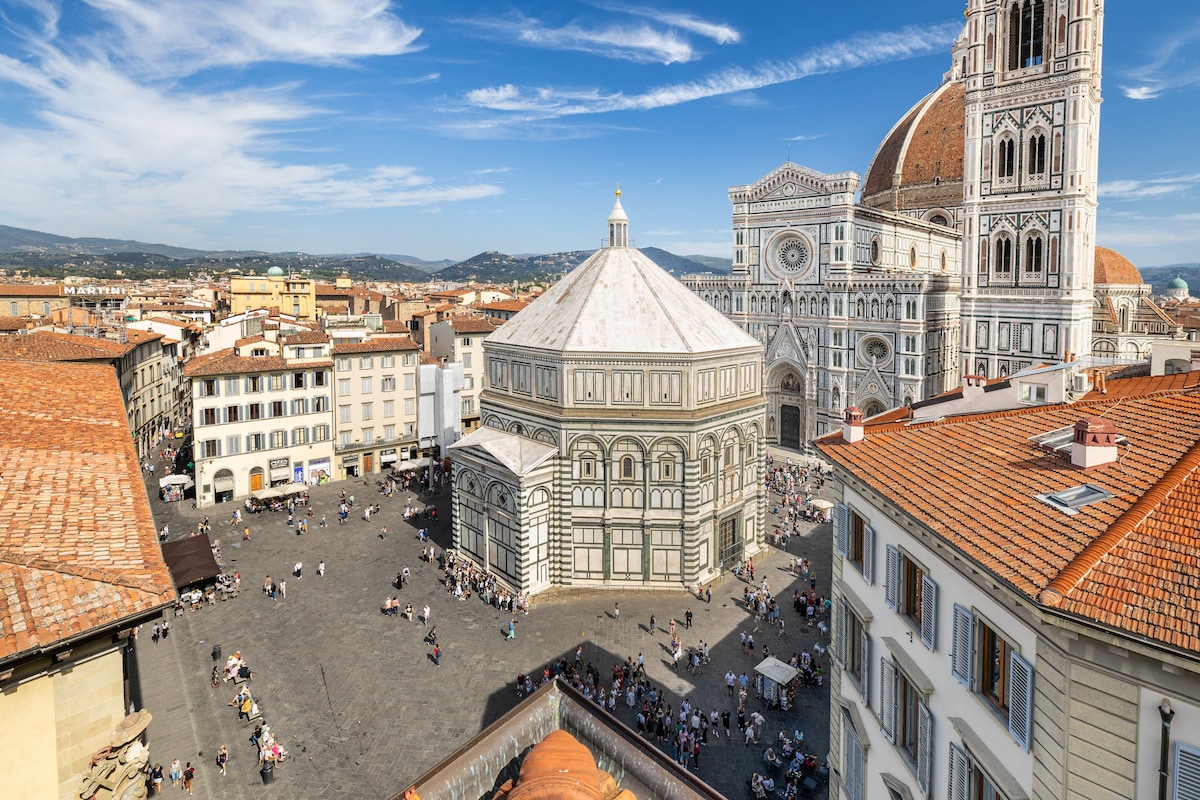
<point>356,126</point>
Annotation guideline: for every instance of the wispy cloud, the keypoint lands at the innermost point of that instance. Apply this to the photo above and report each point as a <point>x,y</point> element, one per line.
<point>122,131</point>
<point>718,32</point>
<point>1172,67</point>
<point>1149,187</point>
<point>541,103</point>
<point>637,43</point>
<point>804,137</point>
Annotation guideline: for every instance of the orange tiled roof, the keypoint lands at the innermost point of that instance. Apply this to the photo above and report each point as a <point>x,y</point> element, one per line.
<point>245,340</point>
<point>135,336</point>
<point>378,344</point>
<point>1131,563</point>
<point>504,305</point>
<point>227,362</point>
<point>306,337</point>
<point>1112,268</point>
<point>472,325</point>
<point>47,346</point>
<point>14,323</point>
<point>71,562</point>
<point>30,290</point>
<point>395,326</point>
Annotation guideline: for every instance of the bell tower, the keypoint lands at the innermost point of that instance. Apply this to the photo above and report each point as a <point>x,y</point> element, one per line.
<point>1032,69</point>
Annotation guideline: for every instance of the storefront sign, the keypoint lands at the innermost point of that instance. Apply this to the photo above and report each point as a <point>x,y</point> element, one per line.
<point>277,463</point>
<point>94,290</point>
<point>349,460</point>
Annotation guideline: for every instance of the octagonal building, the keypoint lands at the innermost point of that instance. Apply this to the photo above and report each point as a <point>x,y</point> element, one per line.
<point>622,435</point>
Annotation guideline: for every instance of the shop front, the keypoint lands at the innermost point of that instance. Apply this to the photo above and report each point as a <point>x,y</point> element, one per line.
<point>350,468</point>
<point>280,471</point>
<point>223,486</point>
<point>318,471</point>
<point>298,472</point>
<point>387,458</point>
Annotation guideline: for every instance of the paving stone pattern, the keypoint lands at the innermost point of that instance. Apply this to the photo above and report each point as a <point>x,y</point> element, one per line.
<point>354,695</point>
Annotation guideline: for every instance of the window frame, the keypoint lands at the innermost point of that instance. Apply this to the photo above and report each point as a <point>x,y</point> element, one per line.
<point>911,593</point>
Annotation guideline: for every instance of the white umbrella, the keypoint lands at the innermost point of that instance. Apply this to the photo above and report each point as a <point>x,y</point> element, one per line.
<point>824,505</point>
<point>175,480</point>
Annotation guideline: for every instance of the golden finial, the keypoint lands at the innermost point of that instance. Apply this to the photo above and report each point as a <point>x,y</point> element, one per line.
<point>618,189</point>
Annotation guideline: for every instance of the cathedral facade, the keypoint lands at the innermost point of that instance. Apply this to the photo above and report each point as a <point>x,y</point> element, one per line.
<point>622,439</point>
<point>967,249</point>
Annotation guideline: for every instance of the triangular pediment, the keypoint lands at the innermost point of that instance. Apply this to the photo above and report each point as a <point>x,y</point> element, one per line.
<point>788,346</point>
<point>789,181</point>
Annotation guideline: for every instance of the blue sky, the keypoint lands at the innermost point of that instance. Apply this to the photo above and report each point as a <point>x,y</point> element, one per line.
<point>443,129</point>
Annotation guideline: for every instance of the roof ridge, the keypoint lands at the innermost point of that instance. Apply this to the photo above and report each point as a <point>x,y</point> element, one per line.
<point>1074,573</point>
<point>18,559</point>
<point>670,318</point>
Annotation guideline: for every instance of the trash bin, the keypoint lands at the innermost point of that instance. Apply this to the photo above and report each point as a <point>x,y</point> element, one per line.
<point>216,652</point>
<point>267,772</point>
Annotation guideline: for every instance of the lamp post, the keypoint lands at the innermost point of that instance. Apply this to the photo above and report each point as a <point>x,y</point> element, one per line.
<point>1167,713</point>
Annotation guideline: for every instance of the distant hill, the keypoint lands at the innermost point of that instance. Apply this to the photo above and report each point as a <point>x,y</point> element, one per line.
<point>1159,277</point>
<point>419,263</point>
<point>494,267</point>
<point>676,265</point>
<point>22,240</point>
<point>721,266</point>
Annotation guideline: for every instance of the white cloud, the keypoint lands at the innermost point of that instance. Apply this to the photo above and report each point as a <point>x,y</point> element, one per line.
<point>118,136</point>
<point>719,33</point>
<point>1173,66</point>
<point>637,43</point>
<point>1151,187</point>
<point>804,137</point>
<point>540,103</point>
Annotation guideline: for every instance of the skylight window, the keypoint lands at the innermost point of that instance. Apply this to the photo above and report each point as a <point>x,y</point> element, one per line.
<point>1069,501</point>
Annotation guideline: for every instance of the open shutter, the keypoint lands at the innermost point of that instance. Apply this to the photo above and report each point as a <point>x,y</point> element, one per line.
<point>959,773</point>
<point>924,749</point>
<point>887,698</point>
<point>839,633</point>
<point>1020,699</point>
<point>868,556</point>
<point>928,612</point>
<point>865,649</point>
<point>1187,772</point>
<point>891,578</point>
<point>964,636</point>
<point>841,521</point>
<point>853,766</point>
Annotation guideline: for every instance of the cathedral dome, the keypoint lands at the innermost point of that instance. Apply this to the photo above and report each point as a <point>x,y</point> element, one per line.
<point>620,301</point>
<point>1112,268</point>
<point>920,163</point>
<point>1177,283</point>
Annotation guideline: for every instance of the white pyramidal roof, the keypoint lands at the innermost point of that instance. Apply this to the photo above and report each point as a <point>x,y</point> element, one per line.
<point>620,301</point>
<point>518,454</point>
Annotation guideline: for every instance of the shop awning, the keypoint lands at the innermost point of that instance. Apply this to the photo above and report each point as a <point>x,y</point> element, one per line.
<point>776,670</point>
<point>824,505</point>
<point>223,485</point>
<point>190,560</point>
<point>176,480</point>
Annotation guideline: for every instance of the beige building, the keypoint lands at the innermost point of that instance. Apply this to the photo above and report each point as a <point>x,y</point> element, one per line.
<point>376,399</point>
<point>291,294</point>
<point>1014,596</point>
<point>76,582</point>
<point>461,339</point>
<point>625,454</point>
<point>32,299</point>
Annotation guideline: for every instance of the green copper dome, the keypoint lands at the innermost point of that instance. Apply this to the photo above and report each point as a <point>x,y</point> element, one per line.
<point>275,272</point>
<point>1177,283</point>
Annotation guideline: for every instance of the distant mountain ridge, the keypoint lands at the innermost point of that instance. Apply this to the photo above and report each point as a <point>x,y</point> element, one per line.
<point>55,256</point>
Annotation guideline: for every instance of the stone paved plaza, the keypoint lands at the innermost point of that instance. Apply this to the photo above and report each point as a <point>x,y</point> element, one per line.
<point>354,695</point>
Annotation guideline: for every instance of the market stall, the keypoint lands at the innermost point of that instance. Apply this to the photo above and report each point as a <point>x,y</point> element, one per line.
<point>775,682</point>
<point>825,506</point>
<point>173,488</point>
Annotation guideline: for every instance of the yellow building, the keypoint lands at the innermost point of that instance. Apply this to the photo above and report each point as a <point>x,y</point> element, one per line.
<point>291,294</point>
<point>75,576</point>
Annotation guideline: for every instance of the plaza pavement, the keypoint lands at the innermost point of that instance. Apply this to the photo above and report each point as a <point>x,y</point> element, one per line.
<point>355,696</point>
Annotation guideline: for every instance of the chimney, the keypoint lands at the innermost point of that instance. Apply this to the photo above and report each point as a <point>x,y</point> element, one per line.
<point>1095,443</point>
<point>972,387</point>
<point>852,429</point>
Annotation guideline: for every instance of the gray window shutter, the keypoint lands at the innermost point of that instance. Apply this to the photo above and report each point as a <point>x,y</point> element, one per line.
<point>839,633</point>
<point>928,612</point>
<point>1187,772</point>
<point>853,764</point>
<point>891,579</point>
<point>924,749</point>
<point>868,559</point>
<point>1020,700</point>
<point>866,667</point>
<point>960,772</point>
<point>887,698</point>
<point>841,521</point>
<point>964,638</point>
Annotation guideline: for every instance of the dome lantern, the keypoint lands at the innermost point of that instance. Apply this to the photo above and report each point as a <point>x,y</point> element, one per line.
<point>618,224</point>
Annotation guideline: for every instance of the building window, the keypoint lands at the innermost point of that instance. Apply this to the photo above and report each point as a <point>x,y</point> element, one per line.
<point>389,432</point>
<point>343,414</point>
<point>318,378</point>
<point>210,448</point>
<point>389,408</point>
<point>910,592</point>
<point>297,380</point>
<point>1037,155</point>
<point>254,383</point>
<point>255,441</point>
<point>910,366</point>
<point>343,387</point>
<point>387,383</point>
<point>14,309</point>
<point>300,436</point>
<point>627,468</point>
<point>300,406</point>
<point>208,388</point>
<point>587,468</point>
<point>368,435</point>
<point>968,781</point>
<point>254,411</point>
<point>276,382</point>
<point>468,406</point>
<point>410,381</point>
<point>852,766</point>
<point>277,409</point>
<point>320,404</point>
<point>855,540</point>
<point>1006,158</point>
<point>278,438</point>
<point>208,416</point>
<point>1003,255</point>
<point>320,433</point>
<point>410,407</point>
<point>988,664</point>
<point>667,469</point>
<point>366,362</point>
<point>1033,393</point>
<point>906,720</point>
<point>1026,29</point>
<point>233,414</point>
<point>344,364</point>
<point>465,341</point>
<point>1033,254</point>
<point>387,362</point>
<point>368,410</point>
<point>366,385</point>
<point>852,644</point>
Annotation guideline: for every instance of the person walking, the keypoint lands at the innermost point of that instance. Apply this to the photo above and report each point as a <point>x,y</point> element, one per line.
<point>321,569</point>
<point>437,656</point>
<point>155,635</point>
<point>651,625</point>
<point>246,534</point>
<point>298,570</point>
<point>283,590</point>
<point>189,774</point>
<point>425,616</point>
<point>708,594</point>
<point>176,773</point>
<point>156,779</point>
<point>166,629</point>
<point>617,611</point>
<point>222,759</point>
<point>687,619</point>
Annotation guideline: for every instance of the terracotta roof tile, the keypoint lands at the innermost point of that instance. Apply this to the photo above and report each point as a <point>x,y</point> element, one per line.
<point>503,305</point>
<point>14,323</point>
<point>306,337</point>
<point>30,290</point>
<point>972,481</point>
<point>47,346</point>
<point>1112,268</point>
<point>227,362</point>
<point>377,344</point>
<point>70,561</point>
<point>473,325</point>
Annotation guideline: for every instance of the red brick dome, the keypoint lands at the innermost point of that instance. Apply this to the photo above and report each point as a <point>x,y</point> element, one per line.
<point>1114,269</point>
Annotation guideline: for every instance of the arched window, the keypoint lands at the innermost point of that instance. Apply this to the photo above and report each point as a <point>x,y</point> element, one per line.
<point>1026,29</point>
<point>1006,158</point>
<point>939,219</point>
<point>1037,154</point>
<point>1033,254</point>
<point>627,468</point>
<point>1004,255</point>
